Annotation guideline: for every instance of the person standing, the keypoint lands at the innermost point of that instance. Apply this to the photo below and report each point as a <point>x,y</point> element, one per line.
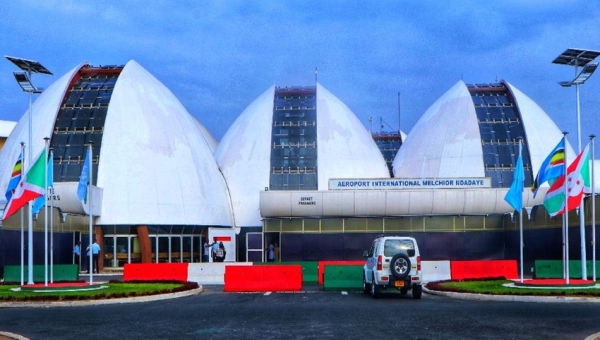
<point>207,249</point>
<point>220,253</point>
<point>96,256</point>
<point>271,255</point>
<point>77,254</point>
<point>215,246</point>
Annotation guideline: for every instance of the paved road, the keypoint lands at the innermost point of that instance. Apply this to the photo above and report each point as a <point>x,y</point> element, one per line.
<point>311,315</point>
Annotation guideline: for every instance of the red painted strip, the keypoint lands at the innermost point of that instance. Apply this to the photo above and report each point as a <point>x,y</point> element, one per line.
<point>155,272</point>
<point>222,238</point>
<point>336,263</point>
<point>275,278</point>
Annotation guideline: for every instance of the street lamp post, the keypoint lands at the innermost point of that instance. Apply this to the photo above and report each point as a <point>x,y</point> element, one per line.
<point>24,80</point>
<point>579,58</point>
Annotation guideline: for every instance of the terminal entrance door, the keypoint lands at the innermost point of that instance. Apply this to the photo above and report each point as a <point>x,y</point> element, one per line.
<point>254,247</point>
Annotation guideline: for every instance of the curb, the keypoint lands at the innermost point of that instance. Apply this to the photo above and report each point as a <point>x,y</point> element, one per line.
<point>513,298</point>
<point>101,302</point>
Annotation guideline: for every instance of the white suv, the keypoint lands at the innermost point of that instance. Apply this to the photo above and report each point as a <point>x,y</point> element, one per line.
<point>393,262</point>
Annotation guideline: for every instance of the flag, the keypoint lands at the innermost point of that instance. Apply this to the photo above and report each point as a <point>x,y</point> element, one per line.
<point>29,188</point>
<point>578,183</point>
<point>514,196</point>
<point>15,178</point>
<point>84,179</point>
<point>552,167</point>
<point>39,202</point>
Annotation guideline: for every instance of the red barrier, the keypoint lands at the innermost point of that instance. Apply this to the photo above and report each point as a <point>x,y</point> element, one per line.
<point>263,278</point>
<point>461,270</point>
<point>335,263</point>
<point>155,272</point>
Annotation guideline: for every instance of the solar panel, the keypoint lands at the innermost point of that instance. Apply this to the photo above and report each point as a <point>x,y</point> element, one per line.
<point>28,65</point>
<point>576,57</point>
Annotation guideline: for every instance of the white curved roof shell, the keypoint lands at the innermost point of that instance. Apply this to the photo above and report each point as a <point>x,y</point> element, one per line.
<point>156,166</point>
<point>6,127</point>
<point>345,150</point>
<point>446,141</point>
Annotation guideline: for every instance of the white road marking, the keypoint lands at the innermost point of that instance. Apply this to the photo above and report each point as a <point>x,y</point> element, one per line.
<point>267,293</point>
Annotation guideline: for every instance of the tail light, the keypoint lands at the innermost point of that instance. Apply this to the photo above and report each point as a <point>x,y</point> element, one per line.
<point>418,263</point>
<point>380,262</point>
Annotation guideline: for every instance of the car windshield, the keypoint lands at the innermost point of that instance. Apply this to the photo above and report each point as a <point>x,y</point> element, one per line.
<point>394,246</point>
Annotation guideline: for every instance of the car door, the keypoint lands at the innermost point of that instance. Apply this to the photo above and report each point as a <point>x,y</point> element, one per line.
<point>371,262</point>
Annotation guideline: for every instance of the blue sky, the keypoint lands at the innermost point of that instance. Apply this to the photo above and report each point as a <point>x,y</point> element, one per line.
<point>218,56</point>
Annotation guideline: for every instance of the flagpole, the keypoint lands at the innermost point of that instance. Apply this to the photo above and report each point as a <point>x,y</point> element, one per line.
<point>22,227</point>
<point>593,213</point>
<point>566,212</point>
<point>46,139</point>
<point>30,203</point>
<point>89,199</point>
<point>51,196</point>
<point>521,218</point>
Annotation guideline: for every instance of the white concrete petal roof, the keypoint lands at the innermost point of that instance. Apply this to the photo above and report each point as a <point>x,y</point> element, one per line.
<point>244,157</point>
<point>345,150</point>
<point>155,165</point>
<point>446,141</point>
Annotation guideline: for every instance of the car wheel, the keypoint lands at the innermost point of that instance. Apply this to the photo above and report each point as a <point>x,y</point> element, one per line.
<point>366,286</point>
<point>375,289</point>
<point>417,291</point>
<point>400,265</point>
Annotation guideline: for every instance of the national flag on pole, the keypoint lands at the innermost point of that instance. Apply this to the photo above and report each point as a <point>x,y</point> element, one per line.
<point>578,183</point>
<point>552,168</point>
<point>29,188</point>
<point>39,202</point>
<point>82,188</point>
<point>514,196</point>
<point>15,178</point>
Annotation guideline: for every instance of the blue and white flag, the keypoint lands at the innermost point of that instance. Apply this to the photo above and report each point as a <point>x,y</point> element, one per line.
<point>82,188</point>
<point>514,196</point>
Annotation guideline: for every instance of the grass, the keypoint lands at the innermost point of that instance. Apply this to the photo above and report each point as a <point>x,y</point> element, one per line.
<point>115,289</point>
<point>495,287</point>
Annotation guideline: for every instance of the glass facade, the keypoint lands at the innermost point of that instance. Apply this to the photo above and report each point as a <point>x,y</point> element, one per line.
<point>294,139</point>
<point>388,143</point>
<point>80,121</point>
<point>500,126</point>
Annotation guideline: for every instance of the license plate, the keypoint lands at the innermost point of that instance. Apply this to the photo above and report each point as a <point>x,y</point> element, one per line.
<point>399,284</point>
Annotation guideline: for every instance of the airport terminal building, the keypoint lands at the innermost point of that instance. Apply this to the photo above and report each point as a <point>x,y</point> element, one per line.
<point>296,169</point>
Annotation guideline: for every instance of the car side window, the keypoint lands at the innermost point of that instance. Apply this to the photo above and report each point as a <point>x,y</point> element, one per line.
<point>372,250</point>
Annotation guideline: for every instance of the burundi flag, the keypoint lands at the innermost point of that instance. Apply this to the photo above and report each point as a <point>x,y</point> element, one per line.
<point>552,167</point>
<point>38,204</point>
<point>29,188</point>
<point>578,183</point>
<point>15,178</point>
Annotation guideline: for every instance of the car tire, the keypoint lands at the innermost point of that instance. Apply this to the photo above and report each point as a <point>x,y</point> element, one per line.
<point>400,265</point>
<point>375,289</point>
<point>417,291</point>
<point>366,286</point>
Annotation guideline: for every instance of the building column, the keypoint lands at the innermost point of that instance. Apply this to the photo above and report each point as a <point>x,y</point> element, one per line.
<point>144,237</point>
<point>99,235</point>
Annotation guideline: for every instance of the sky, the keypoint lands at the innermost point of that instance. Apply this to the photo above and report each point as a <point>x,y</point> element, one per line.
<point>388,60</point>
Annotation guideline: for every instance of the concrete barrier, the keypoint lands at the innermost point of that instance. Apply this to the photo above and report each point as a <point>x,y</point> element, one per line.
<point>211,273</point>
<point>276,278</point>
<point>155,272</point>
<point>61,272</point>
<point>435,271</point>
<point>310,269</point>
<point>322,265</point>
<point>346,277</point>
<point>461,270</point>
<point>553,269</point>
